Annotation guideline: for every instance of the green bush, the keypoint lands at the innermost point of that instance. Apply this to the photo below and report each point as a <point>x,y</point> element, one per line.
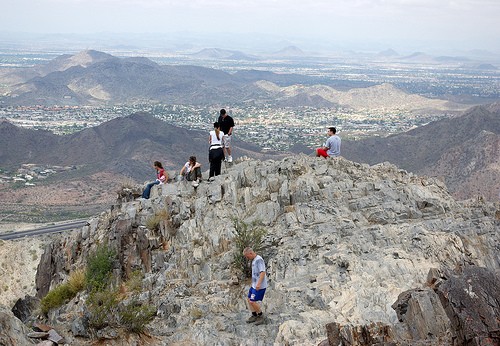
<point>134,282</point>
<point>135,316</point>
<point>104,301</point>
<point>102,307</point>
<point>100,269</point>
<point>246,236</point>
<point>56,297</point>
<point>64,292</point>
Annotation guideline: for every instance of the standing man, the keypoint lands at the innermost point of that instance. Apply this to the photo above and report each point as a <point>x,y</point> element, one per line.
<point>226,125</point>
<point>258,288</point>
<point>331,146</point>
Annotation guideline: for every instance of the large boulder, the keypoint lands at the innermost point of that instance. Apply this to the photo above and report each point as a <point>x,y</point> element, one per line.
<point>24,307</point>
<point>423,317</point>
<point>471,299</point>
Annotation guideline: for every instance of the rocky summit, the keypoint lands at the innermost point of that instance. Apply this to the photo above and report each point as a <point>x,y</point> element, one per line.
<point>355,255</point>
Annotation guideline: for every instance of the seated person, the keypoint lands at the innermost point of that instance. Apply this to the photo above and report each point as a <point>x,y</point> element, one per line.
<point>331,148</point>
<point>191,171</point>
<point>161,178</point>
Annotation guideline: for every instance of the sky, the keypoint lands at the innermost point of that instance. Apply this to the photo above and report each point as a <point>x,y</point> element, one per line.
<point>446,24</point>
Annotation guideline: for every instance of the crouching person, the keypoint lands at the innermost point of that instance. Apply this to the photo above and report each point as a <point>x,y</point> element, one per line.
<point>258,288</point>
<point>191,171</point>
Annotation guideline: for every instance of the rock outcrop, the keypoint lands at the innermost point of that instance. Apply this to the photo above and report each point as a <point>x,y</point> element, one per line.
<point>344,244</point>
<point>471,300</point>
<point>12,330</point>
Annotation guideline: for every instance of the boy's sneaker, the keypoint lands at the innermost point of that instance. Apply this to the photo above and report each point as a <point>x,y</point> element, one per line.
<point>225,159</point>
<point>252,319</point>
<point>229,159</point>
<point>195,183</point>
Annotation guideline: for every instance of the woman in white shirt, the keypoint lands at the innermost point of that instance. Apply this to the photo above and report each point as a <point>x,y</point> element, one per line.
<point>215,154</point>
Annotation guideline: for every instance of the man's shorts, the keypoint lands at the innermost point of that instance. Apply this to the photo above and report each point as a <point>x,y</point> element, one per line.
<point>322,152</point>
<point>255,295</point>
<point>227,141</point>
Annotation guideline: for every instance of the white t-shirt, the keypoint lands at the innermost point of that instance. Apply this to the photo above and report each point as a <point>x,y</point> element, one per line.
<point>214,140</point>
<point>258,266</point>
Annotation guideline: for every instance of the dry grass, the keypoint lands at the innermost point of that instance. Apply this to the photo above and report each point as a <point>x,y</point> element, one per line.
<point>76,280</point>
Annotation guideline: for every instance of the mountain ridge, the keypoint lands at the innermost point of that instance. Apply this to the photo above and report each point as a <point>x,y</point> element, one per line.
<point>102,159</point>
<point>119,138</point>
<point>462,151</point>
<point>97,78</point>
<point>364,248</point>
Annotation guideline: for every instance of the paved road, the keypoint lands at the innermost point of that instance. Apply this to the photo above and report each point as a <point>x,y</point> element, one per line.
<point>44,230</point>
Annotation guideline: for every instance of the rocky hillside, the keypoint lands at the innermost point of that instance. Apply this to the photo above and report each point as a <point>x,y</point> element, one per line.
<point>355,254</point>
<point>384,97</point>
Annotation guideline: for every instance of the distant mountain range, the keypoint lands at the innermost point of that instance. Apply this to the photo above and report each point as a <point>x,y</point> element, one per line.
<point>218,53</point>
<point>464,151</point>
<point>96,78</point>
<point>290,51</point>
<point>92,77</point>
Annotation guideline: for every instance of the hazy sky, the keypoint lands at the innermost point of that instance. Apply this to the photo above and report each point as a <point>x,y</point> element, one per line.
<point>463,24</point>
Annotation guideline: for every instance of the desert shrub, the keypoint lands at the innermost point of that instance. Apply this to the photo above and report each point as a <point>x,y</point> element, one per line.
<point>153,222</point>
<point>56,297</point>
<point>63,293</point>
<point>134,282</point>
<point>246,236</point>
<point>102,307</point>
<point>33,254</point>
<point>99,268</point>
<point>196,313</point>
<point>135,316</point>
<point>76,280</point>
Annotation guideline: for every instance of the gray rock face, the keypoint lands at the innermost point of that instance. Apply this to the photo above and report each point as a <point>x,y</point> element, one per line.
<point>457,308</point>
<point>423,315</point>
<point>12,331</point>
<point>343,242</point>
<point>472,302</point>
<point>24,308</point>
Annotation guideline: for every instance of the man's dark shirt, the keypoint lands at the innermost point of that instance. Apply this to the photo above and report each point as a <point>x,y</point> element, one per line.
<point>226,123</point>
